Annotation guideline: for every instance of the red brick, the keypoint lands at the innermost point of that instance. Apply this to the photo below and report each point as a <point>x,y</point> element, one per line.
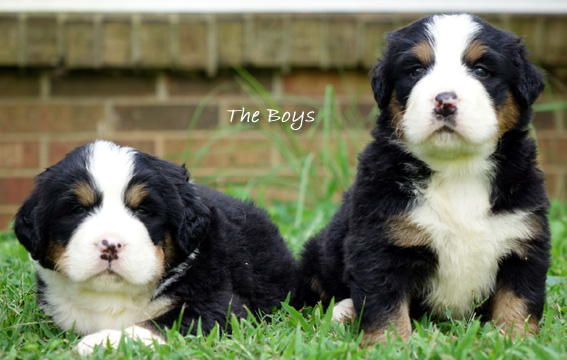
<point>192,34</point>
<point>223,154</point>
<point>6,221</point>
<point>544,121</point>
<point>49,118</point>
<point>80,38</point>
<point>551,180</point>
<point>103,84</point>
<point>18,84</point>
<point>41,42</point>
<point>306,82</point>
<point>13,191</point>
<point>9,39</point>
<point>58,150</point>
<point>19,155</point>
<point>116,42</point>
<point>553,150</point>
<point>155,43</point>
<point>197,83</point>
<point>164,117</point>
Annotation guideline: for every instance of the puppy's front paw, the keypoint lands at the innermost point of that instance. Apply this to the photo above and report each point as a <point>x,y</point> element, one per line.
<point>103,338</point>
<point>112,338</point>
<point>344,311</point>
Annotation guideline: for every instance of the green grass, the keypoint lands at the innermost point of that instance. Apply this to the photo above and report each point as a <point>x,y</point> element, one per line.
<point>26,333</point>
<point>318,175</point>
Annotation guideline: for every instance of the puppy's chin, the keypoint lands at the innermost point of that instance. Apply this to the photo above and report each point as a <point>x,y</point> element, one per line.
<point>450,147</point>
<point>105,282</point>
<point>447,143</point>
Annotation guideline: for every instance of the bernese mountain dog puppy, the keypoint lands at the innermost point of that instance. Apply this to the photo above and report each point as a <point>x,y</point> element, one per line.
<point>123,241</point>
<point>447,214</point>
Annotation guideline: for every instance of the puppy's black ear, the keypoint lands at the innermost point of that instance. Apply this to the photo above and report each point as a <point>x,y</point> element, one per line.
<point>530,80</point>
<point>27,229</point>
<point>381,80</point>
<point>193,227</point>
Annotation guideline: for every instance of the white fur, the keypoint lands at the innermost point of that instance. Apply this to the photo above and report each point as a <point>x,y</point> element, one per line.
<point>112,337</point>
<point>87,307</point>
<point>454,210</point>
<point>87,292</point>
<point>343,310</point>
<point>476,120</point>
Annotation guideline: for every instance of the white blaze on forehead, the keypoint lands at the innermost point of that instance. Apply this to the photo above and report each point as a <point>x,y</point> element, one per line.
<point>449,36</point>
<point>111,168</point>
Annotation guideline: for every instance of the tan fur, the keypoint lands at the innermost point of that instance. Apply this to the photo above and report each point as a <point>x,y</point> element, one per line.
<point>404,233</point>
<point>507,114</point>
<point>169,250</point>
<point>316,286</point>
<point>511,312</point>
<point>85,194</point>
<point>54,253</point>
<point>397,115</point>
<point>135,195</point>
<point>424,52</point>
<point>399,325</point>
<point>475,51</point>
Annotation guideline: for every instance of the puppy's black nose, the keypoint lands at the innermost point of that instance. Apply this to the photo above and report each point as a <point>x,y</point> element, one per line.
<point>109,249</point>
<point>446,104</point>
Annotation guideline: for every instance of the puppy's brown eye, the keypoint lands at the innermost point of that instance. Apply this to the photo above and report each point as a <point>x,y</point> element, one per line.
<point>79,210</point>
<point>417,72</point>
<point>480,72</point>
<point>141,211</point>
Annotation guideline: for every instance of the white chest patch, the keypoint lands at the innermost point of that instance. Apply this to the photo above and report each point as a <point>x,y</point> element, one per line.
<point>88,309</point>
<point>454,211</point>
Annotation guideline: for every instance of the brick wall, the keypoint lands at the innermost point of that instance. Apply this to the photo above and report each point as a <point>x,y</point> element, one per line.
<point>145,80</point>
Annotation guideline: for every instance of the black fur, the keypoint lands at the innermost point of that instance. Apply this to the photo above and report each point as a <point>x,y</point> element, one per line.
<point>353,256</point>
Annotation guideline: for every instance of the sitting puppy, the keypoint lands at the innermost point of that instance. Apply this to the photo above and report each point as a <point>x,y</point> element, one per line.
<point>448,210</point>
<point>122,240</point>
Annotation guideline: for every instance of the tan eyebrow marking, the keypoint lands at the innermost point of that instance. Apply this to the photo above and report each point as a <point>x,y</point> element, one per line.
<point>424,52</point>
<point>474,51</point>
<point>85,194</point>
<point>135,195</point>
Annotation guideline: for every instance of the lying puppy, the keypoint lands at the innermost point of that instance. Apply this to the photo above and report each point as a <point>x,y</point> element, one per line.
<point>448,208</point>
<point>122,240</point>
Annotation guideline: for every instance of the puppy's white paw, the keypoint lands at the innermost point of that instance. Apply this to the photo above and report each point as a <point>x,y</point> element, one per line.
<point>344,310</point>
<point>87,344</point>
<point>112,338</point>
